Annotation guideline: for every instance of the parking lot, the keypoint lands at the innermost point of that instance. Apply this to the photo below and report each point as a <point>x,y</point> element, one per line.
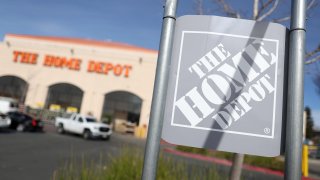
<point>36,155</point>
<point>33,156</point>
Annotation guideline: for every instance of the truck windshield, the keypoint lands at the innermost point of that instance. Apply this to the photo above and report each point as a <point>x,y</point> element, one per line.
<point>91,120</point>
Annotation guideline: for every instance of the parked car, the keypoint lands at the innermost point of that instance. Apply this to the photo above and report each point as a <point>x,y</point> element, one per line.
<point>5,121</point>
<point>24,122</point>
<point>87,126</point>
<point>8,105</point>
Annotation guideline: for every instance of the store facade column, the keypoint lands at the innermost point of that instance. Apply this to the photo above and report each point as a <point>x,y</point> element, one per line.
<point>92,104</point>
<point>144,118</point>
<point>36,95</point>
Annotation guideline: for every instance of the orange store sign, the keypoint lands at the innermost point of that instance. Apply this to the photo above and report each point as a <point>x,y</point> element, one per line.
<point>25,57</point>
<point>106,68</point>
<point>73,63</point>
<point>62,62</point>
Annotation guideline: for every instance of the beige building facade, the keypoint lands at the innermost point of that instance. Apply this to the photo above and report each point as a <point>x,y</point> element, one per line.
<point>53,67</point>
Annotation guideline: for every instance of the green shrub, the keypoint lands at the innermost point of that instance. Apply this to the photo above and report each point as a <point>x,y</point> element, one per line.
<point>265,162</point>
<point>128,166</point>
<point>193,150</point>
<point>223,155</point>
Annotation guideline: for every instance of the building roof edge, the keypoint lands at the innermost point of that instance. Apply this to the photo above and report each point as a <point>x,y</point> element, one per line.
<point>86,42</point>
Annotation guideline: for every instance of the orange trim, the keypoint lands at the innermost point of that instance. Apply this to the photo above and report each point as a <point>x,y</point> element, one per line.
<point>84,42</point>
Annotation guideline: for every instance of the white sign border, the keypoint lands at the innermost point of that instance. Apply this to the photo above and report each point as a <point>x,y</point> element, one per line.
<point>221,130</point>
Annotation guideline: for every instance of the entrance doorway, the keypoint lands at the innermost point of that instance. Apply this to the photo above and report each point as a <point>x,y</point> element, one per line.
<point>14,87</point>
<point>64,97</point>
<point>123,110</point>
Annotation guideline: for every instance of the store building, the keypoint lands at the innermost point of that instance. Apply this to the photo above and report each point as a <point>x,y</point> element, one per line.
<point>105,79</point>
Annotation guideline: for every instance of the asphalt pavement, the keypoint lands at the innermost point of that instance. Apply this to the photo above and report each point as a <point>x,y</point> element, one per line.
<point>35,156</point>
<point>314,168</point>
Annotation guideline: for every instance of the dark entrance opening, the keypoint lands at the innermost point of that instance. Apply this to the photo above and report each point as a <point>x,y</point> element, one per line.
<point>122,109</point>
<point>14,87</point>
<point>66,96</point>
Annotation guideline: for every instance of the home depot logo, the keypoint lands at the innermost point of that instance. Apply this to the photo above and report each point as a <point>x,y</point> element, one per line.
<point>231,84</point>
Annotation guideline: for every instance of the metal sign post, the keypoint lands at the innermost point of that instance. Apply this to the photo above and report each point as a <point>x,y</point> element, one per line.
<point>295,91</point>
<point>160,91</point>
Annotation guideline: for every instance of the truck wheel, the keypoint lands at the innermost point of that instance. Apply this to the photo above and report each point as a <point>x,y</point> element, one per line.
<point>60,129</point>
<point>87,134</point>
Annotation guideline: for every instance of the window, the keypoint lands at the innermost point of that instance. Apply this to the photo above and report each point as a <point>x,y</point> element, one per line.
<point>91,120</point>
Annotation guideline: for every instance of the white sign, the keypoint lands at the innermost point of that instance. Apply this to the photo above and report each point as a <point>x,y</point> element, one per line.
<point>226,85</point>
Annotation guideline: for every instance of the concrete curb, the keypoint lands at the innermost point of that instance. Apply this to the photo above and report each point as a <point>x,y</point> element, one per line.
<point>227,163</point>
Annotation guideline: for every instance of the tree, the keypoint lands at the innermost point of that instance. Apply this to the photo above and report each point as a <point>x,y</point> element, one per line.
<point>262,10</point>
<point>309,128</point>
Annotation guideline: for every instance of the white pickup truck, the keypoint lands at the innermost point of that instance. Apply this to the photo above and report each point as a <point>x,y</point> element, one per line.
<point>87,126</point>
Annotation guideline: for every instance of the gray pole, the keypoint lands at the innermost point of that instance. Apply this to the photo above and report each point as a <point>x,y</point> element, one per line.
<point>236,168</point>
<point>295,91</point>
<point>159,92</point>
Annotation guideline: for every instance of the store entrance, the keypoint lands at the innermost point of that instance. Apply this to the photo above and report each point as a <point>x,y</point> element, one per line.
<point>64,97</point>
<point>13,87</point>
<point>122,109</point>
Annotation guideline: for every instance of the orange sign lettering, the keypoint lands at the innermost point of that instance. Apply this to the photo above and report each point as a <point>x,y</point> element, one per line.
<point>62,62</point>
<point>73,64</point>
<point>106,68</point>
<point>25,57</point>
